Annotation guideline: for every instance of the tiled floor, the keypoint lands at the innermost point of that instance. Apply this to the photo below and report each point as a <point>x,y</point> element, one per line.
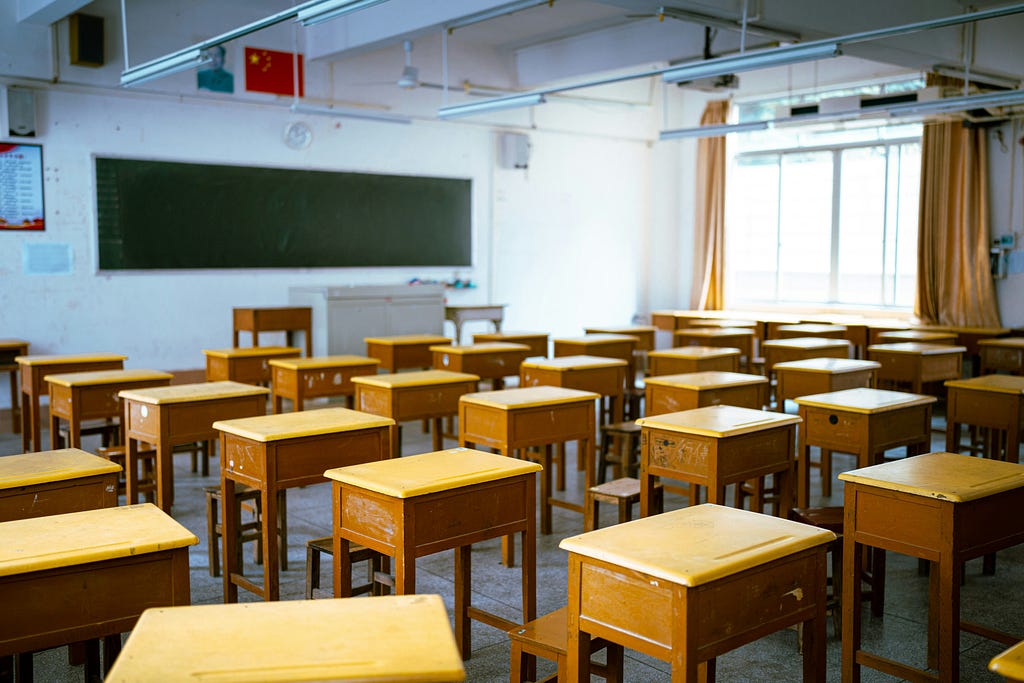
<point>992,600</point>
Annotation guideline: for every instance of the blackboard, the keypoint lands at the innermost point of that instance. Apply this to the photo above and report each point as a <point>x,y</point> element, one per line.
<point>158,214</point>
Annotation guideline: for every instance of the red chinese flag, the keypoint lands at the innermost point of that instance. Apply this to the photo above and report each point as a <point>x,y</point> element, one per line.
<point>271,71</point>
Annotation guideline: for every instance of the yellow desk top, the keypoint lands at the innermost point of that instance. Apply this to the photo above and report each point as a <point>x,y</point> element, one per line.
<point>482,347</point>
<point>318,362</point>
<point>724,322</point>
<point>812,328</point>
<point>264,428</point>
<point>78,379</point>
<point>597,339</point>
<point>695,352</point>
<point>418,378</point>
<point>567,363</point>
<point>184,393</point>
<point>1010,663</point>
<point>945,476</point>
<point>707,380</point>
<point>718,421</point>
<point>418,475</point>
<point>831,366</point>
<point>714,332</point>
<point>918,348</point>
<point>253,351</point>
<point>864,400</point>
<point>1002,384</point>
<point>1008,342</point>
<point>46,466</point>
<point>917,335</point>
<point>508,335</point>
<point>69,358</point>
<point>391,638</point>
<point>807,343</point>
<point>30,545</point>
<point>400,339</point>
<point>698,544</point>
<point>529,397</point>
<point>964,330</point>
<point>623,329</point>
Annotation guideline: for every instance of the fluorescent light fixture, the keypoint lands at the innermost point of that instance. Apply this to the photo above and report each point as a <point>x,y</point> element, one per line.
<point>948,105</point>
<point>348,113</point>
<point>496,104</point>
<point>977,77</point>
<point>315,13</point>
<point>712,131</point>
<point>165,66</point>
<point>750,61</point>
<point>507,8</point>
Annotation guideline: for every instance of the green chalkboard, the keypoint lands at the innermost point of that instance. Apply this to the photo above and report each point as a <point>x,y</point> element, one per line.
<point>157,214</point>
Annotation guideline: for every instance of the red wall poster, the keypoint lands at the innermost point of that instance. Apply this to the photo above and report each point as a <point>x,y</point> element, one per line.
<point>21,187</point>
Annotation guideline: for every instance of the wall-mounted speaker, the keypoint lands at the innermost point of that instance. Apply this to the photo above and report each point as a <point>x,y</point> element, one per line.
<point>513,150</point>
<point>85,36</point>
<point>20,112</point>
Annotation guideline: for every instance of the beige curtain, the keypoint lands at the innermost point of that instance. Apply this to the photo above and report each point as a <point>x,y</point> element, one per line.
<point>954,282</point>
<point>709,215</point>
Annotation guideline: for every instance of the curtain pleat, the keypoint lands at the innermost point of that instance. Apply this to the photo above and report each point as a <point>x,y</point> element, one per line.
<point>707,292</point>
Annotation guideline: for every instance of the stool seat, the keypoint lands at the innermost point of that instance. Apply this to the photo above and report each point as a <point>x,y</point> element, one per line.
<point>547,636</point>
<point>623,492</point>
<point>357,553</point>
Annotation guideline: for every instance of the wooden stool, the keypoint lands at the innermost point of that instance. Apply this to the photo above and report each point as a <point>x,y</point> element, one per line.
<point>246,499</point>
<point>356,553</point>
<point>147,466</point>
<point>547,637</point>
<point>620,447</point>
<point>623,492</point>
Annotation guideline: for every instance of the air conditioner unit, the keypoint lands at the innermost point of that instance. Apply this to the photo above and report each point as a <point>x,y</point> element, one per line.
<point>857,103</point>
<point>712,83</point>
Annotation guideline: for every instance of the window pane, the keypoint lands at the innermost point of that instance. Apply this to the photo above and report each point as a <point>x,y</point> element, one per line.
<point>862,228</point>
<point>906,236</point>
<point>805,226</point>
<point>752,235</point>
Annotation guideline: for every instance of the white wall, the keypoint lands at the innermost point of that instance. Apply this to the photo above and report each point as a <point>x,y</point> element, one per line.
<point>1006,196</point>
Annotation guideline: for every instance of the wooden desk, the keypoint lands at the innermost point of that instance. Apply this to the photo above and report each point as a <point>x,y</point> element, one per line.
<point>672,393</point>
<point>80,396</point>
<point>877,326</point>
<point>493,361</point>
<point>461,314</point>
<point>690,585</point>
<point>404,351</point>
<point>537,341</point>
<point>916,335</point>
<point>812,330</point>
<point>670,320</point>
<point>183,413</point>
<point>820,376</point>
<point>601,375</point>
<point>915,363</point>
<point>941,507</point>
<point>298,379</point>
<point>802,348</point>
<point>287,319</point>
<point>864,422</point>
<point>528,417</point>
<point>248,366</point>
<point>1002,355</point>
<point>90,574</point>
<point>272,453</point>
<point>394,638</point>
<point>424,504</point>
<point>715,447</point>
<point>684,359</point>
<point>971,337</point>
<point>619,346</point>
<point>722,337</point>
<point>644,334</point>
<point>54,483</point>
<point>1009,664</point>
<point>34,368</point>
<point>992,402</point>
<point>9,350</point>
<point>424,395</point>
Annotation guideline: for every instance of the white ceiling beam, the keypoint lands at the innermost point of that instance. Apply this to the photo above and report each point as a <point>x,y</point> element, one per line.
<point>46,12</point>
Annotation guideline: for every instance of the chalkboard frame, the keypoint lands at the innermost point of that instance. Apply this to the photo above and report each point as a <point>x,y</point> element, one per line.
<point>156,215</point>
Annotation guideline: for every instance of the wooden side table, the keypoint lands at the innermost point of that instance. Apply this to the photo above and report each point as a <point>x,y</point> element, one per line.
<point>941,507</point>
<point>424,395</point>
<point>182,413</point>
<point>287,319</point>
<point>992,402</point>
<point>299,379</point>
<point>515,419</point>
<point>492,361</point>
<point>915,363</point>
<point>690,585</point>
<point>820,376</point>
<point>394,638</point>
<point>601,375</point>
<point>89,574</point>
<point>55,483</point>
<point>820,330</point>
<point>272,453</point>
<point>722,337</point>
<point>80,396</point>
<point>621,346</point>
<point>245,365</point>
<point>877,326</point>
<point>801,348</point>
<point>672,393</point>
<point>423,504</point>
<point>404,351</point>
<point>461,314</point>
<point>9,350</point>
<point>672,320</point>
<point>685,359</point>
<point>537,341</point>
<point>715,447</point>
<point>864,422</point>
<point>32,371</point>
<point>1009,664</point>
<point>1002,355</point>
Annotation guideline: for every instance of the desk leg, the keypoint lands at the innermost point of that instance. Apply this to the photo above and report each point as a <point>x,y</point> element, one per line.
<point>853,555</point>
<point>463,587</point>
<point>165,476</point>
<point>342,560</point>
<point>15,402</point>
<point>229,531</point>
<point>55,432</point>
<point>438,435</point>
<point>131,472</point>
<point>268,529</point>
<point>545,490</point>
<point>803,465</point>
<point>29,421</point>
<point>578,646</point>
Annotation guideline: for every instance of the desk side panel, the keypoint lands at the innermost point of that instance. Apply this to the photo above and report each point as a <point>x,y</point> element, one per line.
<point>58,498</point>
